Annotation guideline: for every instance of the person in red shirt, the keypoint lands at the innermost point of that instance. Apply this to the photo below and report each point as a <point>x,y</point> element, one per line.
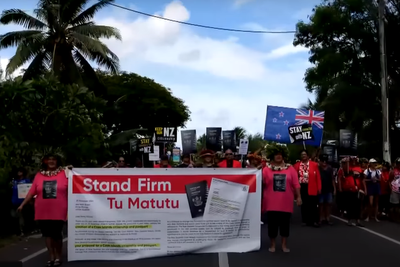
<point>310,187</point>
<point>384,204</point>
<point>164,162</point>
<point>229,162</point>
<point>50,187</point>
<point>350,182</point>
<point>280,189</point>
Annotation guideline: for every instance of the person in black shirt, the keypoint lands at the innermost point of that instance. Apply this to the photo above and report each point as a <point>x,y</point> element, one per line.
<point>185,162</point>
<point>328,190</point>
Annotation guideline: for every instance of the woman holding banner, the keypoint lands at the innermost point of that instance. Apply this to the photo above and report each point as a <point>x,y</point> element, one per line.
<point>280,188</point>
<point>50,187</point>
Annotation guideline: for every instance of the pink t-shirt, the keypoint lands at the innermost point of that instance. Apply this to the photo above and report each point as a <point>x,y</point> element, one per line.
<point>279,189</point>
<point>52,196</point>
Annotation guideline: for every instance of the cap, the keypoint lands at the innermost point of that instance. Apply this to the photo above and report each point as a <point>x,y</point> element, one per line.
<point>397,160</point>
<point>372,161</point>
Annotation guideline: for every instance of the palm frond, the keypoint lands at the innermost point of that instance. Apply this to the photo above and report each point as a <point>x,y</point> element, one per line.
<point>85,43</point>
<point>98,52</point>
<point>25,52</point>
<point>97,31</point>
<point>11,39</point>
<point>71,8</point>
<point>39,65</point>
<point>89,13</point>
<point>19,17</point>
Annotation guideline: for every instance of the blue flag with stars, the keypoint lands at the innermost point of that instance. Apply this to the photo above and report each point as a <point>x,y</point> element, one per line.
<point>279,119</point>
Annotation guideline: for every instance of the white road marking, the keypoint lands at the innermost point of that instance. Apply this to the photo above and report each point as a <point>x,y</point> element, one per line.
<point>34,255</point>
<point>223,260</point>
<point>370,231</point>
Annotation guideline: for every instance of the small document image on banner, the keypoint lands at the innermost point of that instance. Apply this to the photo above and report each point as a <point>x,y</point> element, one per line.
<point>227,200</point>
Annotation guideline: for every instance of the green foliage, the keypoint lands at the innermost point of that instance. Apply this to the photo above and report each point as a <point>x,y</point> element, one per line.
<point>342,36</point>
<point>274,148</point>
<point>42,114</point>
<point>136,102</point>
<point>60,36</point>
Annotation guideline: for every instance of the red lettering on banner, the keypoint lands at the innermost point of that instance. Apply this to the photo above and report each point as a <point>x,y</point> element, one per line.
<point>149,184</point>
<point>153,204</point>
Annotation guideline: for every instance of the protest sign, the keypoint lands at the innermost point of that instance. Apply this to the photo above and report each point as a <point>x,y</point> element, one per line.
<point>300,133</point>
<point>128,214</point>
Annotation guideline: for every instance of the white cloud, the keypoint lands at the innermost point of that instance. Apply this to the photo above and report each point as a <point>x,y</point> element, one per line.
<point>258,81</point>
<point>175,45</point>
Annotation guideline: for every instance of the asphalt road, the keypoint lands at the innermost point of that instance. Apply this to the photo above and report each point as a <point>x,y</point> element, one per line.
<point>327,246</point>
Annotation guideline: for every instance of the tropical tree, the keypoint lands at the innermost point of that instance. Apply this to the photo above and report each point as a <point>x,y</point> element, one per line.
<point>256,142</point>
<point>138,103</point>
<point>342,36</point>
<point>201,143</point>
<point>240,133</point>
<point>61,37</point>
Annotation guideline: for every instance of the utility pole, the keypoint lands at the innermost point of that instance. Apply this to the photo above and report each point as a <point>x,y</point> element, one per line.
<point>384,92</point>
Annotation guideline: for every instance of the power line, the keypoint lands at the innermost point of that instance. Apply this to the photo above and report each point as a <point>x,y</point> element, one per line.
<point>199,25</point>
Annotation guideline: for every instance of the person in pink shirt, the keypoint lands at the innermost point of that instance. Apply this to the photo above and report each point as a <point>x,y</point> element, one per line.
<point>280,188</point>
<point>50,187</point>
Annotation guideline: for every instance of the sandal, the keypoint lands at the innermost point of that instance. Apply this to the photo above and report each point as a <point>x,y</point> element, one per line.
<point>285,250</point>
<point>49,263</point>
<point>272,250</point>
<point>57,262</point>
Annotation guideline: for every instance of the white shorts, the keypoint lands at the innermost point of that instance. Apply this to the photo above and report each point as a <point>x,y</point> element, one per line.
<point>395,198</point>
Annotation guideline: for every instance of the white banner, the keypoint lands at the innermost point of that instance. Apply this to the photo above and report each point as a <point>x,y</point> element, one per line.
<point>134,213</point>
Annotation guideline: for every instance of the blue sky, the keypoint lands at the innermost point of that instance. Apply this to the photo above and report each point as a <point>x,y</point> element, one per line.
<point>227,79</point>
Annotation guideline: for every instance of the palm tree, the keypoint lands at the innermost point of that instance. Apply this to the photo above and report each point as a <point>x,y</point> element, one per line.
<point>240,132</point>
<point>201,143</point>
<point>61,37</point>
<point>256,141</point>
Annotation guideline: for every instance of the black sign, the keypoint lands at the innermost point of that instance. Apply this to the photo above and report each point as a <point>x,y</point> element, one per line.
<point>347,143</point>
<point>166,134</point>
<point>189,142</point>
<point>145,145</point>
<point>213,138</point>
<point>300,133</point>
<point>330,151</point>
<point>229,140</point>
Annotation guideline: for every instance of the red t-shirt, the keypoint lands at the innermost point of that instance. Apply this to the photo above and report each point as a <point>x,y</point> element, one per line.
<point>279,189</point>
<point>51,202</point>
<point>158,166</point>
<point>385,185</point>
<point>349,183</point>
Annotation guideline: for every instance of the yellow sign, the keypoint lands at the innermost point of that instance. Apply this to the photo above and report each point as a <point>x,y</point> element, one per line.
<point>159,130</point>
<point>145,141</point>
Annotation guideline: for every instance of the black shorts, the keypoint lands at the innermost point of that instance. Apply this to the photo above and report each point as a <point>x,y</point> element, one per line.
<point>51,228</point>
